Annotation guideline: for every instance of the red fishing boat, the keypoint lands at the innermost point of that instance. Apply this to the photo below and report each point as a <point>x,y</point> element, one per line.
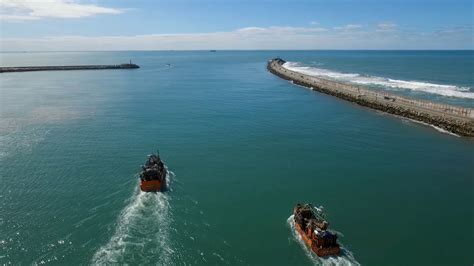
<point>153,174</point>
<point>313,228</point>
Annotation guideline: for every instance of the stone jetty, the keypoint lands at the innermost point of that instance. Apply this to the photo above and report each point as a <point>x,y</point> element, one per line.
<point>78,67</point>
<point>458,120</point>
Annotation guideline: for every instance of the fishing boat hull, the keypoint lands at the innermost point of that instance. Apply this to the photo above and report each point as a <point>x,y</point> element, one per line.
<point>152,185</point>
<point>153,175</point>
<point>321,252</point>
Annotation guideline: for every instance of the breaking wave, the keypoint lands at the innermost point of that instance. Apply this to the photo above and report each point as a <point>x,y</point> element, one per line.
<point>344,258</point>
<point>444,90</point>
<point>441,130</point>
<point>142,232</point>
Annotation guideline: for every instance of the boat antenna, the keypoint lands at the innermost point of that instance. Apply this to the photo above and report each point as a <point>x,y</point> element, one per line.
<point>130,61</point>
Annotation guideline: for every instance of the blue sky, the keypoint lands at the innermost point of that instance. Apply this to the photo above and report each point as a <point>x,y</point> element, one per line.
<point>232,24</point>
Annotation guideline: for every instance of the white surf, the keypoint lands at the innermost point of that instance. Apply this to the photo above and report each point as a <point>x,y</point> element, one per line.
<point>142,232</point>
<point>426,87</point>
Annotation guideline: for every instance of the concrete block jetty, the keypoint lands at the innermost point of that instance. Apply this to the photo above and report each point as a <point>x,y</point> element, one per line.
<point>458,120</point>
<point>78,67</point>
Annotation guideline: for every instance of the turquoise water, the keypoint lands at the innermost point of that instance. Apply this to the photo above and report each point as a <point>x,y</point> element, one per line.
<point>242,147</point>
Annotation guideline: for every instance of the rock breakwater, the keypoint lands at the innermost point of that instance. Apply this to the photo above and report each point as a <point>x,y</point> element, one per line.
<point>458,120</point>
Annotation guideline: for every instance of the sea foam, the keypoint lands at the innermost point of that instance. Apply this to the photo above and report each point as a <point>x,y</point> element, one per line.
<point>426,87</point>
<point>142,232</point>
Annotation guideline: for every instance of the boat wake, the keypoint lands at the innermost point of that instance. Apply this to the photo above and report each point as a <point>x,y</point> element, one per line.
<point>142,232</point>
<point>344,258</point>
<point>426,87</point>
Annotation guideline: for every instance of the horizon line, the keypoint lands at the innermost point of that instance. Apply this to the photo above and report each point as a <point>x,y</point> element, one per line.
<point>223,50</point>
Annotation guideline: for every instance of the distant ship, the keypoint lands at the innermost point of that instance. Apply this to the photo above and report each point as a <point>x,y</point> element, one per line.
<point>153,175</point>
<point>212,51</point>
<point>313,228</point>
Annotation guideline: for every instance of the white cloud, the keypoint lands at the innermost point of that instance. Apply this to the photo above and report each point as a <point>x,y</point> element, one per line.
<point>349,27</point>
<point>386,27</point>
<point>466,29</point>
<point>314,23</point>
<point>4,17</point>
<point>20,10</point>
<point>250,38</point>
<point>280,30</point>
<point>252,30</point>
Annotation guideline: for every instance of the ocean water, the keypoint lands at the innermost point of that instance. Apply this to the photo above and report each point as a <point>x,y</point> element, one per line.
<point>242,148</point>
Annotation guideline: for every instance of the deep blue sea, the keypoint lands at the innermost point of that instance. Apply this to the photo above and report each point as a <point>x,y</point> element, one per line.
<point>243,147</point>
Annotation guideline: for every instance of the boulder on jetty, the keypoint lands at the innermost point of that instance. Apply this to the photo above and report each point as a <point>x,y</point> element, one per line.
<point>458,120</point>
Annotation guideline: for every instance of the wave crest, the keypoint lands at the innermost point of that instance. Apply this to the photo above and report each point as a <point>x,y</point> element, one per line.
<point>444,90</point>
